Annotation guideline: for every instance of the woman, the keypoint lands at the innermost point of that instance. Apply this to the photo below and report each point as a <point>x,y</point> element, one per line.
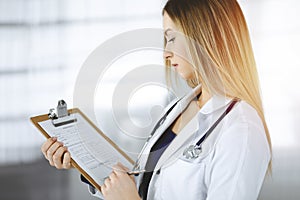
<point>215,142</point>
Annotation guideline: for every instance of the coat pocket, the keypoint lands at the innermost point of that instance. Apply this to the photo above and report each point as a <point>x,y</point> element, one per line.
<point>183,180</point>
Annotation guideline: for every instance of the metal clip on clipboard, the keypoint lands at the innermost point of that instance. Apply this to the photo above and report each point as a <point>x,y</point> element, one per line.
<point>60,115</point>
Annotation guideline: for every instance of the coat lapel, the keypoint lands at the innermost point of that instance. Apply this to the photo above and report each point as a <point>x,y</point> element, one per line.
<point>177,146</point>
<point>177,110</point>
<point>173,149</point>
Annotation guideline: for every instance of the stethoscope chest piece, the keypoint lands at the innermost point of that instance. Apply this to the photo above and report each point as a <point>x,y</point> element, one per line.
<point>192,152</point>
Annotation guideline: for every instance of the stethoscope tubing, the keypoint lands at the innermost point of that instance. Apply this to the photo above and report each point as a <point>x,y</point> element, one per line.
<point>135,169</point>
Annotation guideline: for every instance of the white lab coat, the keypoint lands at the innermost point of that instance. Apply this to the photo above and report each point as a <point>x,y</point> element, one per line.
<point>234,157</point>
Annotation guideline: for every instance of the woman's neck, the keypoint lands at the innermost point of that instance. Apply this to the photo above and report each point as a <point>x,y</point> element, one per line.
<point>204,97</point>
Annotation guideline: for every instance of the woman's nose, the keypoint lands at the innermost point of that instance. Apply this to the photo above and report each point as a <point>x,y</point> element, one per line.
<point>167,54</point>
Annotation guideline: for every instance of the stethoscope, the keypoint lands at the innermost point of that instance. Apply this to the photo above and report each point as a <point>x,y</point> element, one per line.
<point>136,168</point>
<point>192,151</point>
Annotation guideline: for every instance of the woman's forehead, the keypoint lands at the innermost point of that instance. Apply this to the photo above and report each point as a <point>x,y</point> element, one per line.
<point>168,23</point>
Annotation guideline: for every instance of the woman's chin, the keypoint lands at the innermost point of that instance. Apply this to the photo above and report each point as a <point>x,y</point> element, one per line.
<point>184,76</point>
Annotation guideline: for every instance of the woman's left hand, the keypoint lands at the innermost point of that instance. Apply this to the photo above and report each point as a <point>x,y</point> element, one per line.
<point>119,185</point>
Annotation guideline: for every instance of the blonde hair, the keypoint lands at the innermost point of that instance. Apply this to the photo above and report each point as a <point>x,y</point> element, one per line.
<point>221,53</point>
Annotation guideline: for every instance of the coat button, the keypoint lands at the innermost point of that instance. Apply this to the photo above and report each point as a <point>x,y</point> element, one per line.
<point>158,172</point>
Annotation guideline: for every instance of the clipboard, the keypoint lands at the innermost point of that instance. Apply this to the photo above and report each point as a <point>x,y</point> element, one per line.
<point>64,120</point>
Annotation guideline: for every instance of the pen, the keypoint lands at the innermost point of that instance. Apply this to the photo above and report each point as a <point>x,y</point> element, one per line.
<point>135,172</point>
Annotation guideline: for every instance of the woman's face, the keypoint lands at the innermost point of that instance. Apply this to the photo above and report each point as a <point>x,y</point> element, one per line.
<point>176,49</point>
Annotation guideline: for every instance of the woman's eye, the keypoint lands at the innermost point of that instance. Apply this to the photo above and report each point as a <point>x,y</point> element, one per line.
<point>171,40</point>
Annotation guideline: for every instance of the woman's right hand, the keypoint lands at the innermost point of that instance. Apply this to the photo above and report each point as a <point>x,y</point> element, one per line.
<point>57,155</point>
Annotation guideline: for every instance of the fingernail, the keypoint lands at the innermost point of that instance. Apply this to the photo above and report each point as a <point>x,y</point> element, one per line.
<point>54,138</point>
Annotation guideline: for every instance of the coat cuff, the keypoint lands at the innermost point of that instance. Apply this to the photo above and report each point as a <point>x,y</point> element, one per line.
<point>93,191</point>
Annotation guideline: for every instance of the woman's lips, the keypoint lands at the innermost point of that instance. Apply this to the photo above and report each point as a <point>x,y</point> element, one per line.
<point>175,65</point>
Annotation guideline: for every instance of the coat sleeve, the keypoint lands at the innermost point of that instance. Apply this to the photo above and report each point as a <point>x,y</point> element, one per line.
<point>93,191</point>
<point>239,163</point>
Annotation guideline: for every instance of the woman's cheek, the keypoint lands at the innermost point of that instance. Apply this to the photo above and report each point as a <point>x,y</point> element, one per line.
<point>185,71</point>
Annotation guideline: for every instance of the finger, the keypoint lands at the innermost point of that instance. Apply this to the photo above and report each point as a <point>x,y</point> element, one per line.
<point>119,169</point>
<point>103,189</point>
<point>47,144</point>
<point>122,167</point>
<point>50,152</point>
<point>67,160</point>
<point>58,157</point>
<point>113,177</point>
<point>107,183</point>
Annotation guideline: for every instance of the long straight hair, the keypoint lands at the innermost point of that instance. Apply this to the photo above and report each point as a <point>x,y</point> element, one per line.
<point>222,59</point>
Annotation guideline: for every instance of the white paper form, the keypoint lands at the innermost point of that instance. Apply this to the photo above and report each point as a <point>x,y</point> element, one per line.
<point>93,153</point>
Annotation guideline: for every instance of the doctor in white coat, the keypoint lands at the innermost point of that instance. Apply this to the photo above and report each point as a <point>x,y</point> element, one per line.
<point>213,143</point>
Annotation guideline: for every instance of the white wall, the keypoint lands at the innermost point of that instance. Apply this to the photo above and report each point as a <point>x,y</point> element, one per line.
<point>275,31</point>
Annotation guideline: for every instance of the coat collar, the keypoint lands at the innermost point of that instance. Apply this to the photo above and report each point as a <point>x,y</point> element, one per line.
<point>185,100</point>
<point>177,110</point>
<point>215,103</point>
